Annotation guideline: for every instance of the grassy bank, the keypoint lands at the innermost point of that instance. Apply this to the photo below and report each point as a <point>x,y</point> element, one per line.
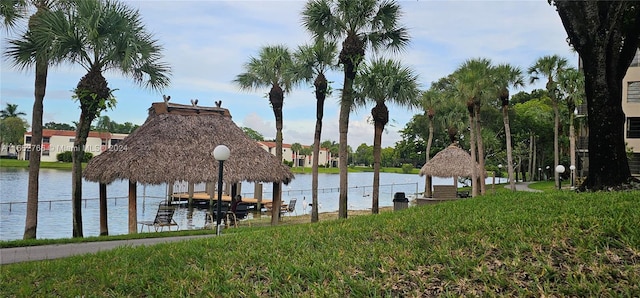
<point>532,244</point>
<point>14,163</point>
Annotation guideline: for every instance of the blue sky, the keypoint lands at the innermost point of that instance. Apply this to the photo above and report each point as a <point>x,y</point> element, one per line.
<point>207,42</point>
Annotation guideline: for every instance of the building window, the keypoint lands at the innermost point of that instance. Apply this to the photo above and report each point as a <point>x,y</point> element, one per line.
<point>71,140</point>
<point>45,146</point>
<point>115,141</point>
<point>633,127</point>
<point>636,59</point>
<point>633,91</point>
<point>27,140</point>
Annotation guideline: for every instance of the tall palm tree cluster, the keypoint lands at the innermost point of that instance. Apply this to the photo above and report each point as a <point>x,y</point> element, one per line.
<point>359,25</point>
<point>98,35</point>
<point>479,84</point>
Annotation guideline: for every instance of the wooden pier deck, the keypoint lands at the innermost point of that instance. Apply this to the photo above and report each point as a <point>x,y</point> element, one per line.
<point>203,196</point>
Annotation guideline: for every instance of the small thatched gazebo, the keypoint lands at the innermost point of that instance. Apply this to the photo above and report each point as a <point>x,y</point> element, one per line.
<point>175,144</point>
<point>453,161</point>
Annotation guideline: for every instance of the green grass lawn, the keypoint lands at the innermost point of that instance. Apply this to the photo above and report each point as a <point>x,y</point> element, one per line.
<point>556,243</point>
<point>14,163</point>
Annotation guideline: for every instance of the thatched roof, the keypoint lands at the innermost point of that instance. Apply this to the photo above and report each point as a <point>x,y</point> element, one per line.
<point>453,161</point>
<point>176,143</point>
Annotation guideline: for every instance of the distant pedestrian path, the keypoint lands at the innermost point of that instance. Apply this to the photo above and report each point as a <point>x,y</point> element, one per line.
<point>523,186</point>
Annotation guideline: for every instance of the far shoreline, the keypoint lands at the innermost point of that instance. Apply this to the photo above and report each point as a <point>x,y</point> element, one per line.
<point>13,163</point>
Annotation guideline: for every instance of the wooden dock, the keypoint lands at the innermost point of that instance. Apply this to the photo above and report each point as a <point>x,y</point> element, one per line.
<point>203,196</point>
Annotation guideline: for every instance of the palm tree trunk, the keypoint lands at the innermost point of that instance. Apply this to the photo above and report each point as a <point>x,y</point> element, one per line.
<point>82,132</point>
<point>380,115</point>
<point>472,143</point>
<point>276,97</point>
<point>92,92</point>
<point>428,179</point>
<point>321,92</point>
<point>481,175</point>
<point>351,55</point>
<point>534,154</point>
<point>556,125</point>
<point>507,132</point>
<point>532,162</point>
<point>572,148</point>
<point>343,127</point>
<point>31,217</point>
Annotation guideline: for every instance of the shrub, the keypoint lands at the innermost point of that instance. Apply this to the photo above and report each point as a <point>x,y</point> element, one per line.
<point>64,156</point>
<point>406,168</point>
<point>67,157</point>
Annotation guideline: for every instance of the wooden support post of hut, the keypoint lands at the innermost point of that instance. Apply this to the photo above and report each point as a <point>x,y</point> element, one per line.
<point>257,194</point>
<point>133,207</point>
<point>104,228</point>
<point>170,191</point>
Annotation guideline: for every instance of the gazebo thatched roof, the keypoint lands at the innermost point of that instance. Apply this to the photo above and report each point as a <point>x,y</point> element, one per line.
<point>176,143</point>
<point>453,161</point>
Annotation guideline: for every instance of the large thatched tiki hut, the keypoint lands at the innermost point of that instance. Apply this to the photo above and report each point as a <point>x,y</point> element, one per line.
<point>453,161</point>
<point>175,144</point>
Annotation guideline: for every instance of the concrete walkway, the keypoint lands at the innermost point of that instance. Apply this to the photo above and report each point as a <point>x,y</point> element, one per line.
<point>523,186</point>
<point>48,252</point>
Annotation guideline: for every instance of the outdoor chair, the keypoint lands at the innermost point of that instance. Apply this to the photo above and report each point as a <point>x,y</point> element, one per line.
<point>164,218</point>
<point>290,208</point>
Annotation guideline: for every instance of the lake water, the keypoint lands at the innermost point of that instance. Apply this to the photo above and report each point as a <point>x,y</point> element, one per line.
<point>54,210</point>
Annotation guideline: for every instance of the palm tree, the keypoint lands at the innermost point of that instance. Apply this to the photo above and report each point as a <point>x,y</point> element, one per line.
<point>359,24</point>
<point>316,60</point>
<point>273,68</point>
<point>23,53</point>
<point>380,81</point>
<point>11,111</point>
<point>472,82</point>
<point>430,99</point>
<point>572,87</point>
<point>506,76</point>
<point>101,35</point>
<point>551,67</point>
<point>296,147</point>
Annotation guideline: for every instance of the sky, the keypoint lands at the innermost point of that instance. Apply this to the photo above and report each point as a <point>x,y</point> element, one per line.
<point>207,43</point>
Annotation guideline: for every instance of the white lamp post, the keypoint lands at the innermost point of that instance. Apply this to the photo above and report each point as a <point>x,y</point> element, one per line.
<point>560,170</point>
<point>539,174</point>
<point>573,183</point>
<point>220,153</point>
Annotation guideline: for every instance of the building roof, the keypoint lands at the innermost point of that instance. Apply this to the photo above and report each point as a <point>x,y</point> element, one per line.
<point>453,161</point>
<point>176,143</point>
<point>71,133</point>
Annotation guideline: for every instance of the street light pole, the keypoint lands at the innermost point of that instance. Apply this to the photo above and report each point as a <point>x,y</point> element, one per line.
<point>559,170</point>
<point>573,176</point>
<point>220,153</point>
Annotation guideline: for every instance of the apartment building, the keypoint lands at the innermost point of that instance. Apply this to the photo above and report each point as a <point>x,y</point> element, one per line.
<point>58,141</point>
<point>631,108</point>
<point>299,160</point>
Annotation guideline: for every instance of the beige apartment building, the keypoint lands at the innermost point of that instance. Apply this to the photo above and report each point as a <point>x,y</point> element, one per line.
<point>299,160</point>
<point>58,141</point>
<point>631,108</point>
